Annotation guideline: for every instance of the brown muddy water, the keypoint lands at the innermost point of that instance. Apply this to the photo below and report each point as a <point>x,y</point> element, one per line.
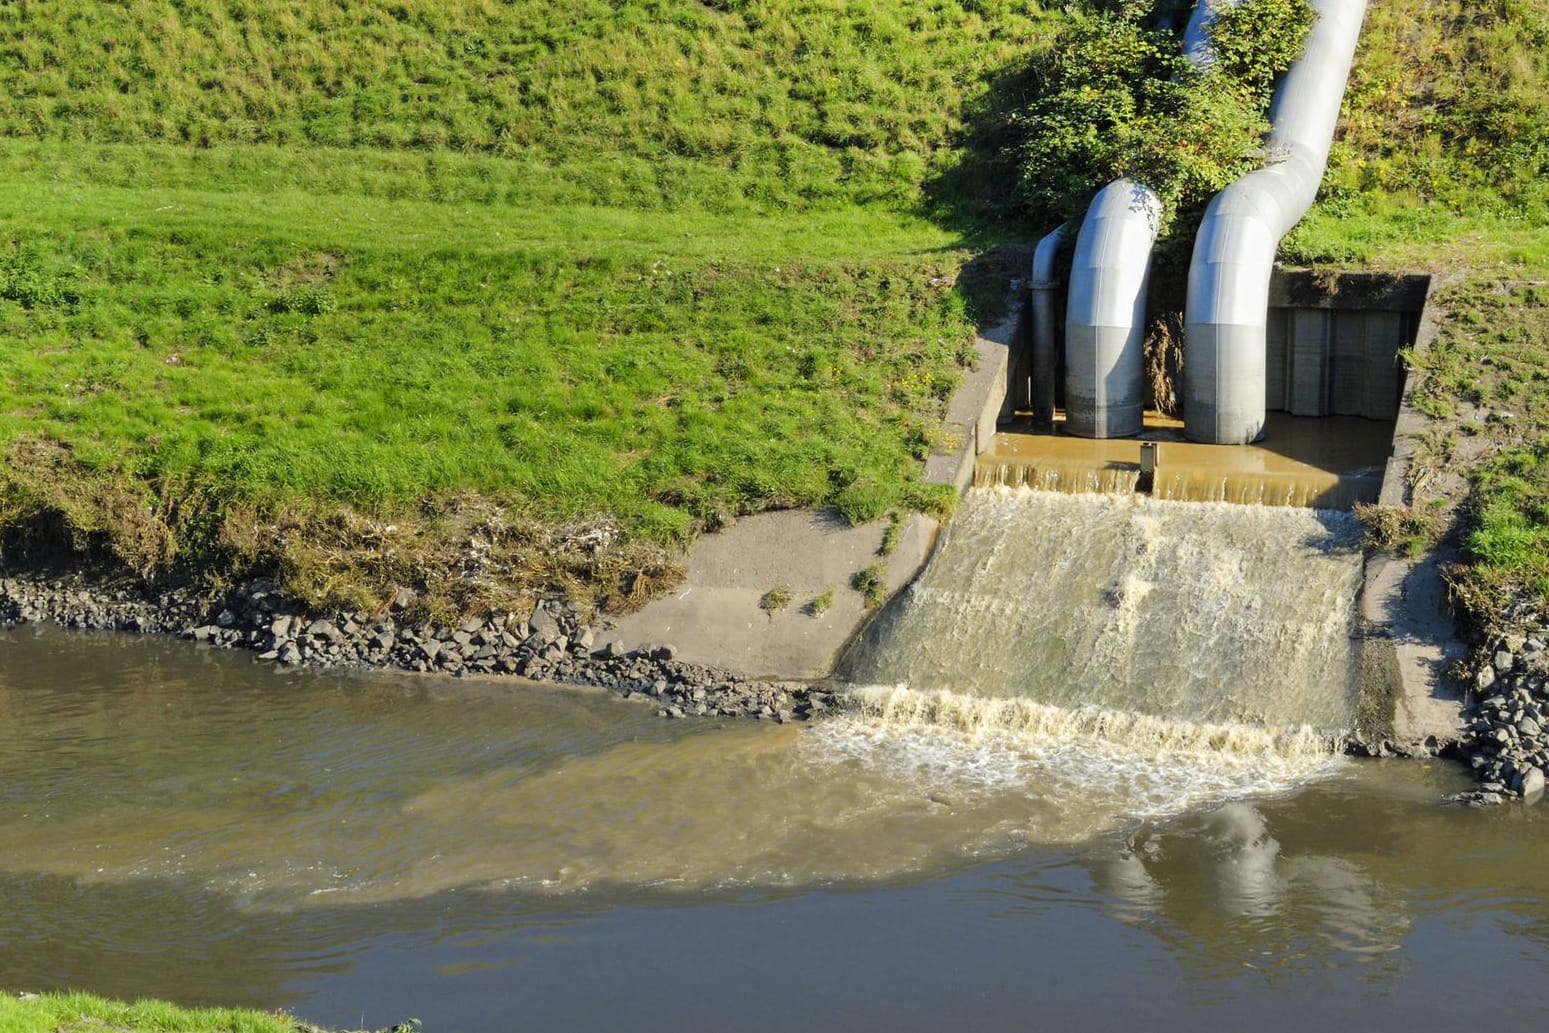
<point>486,856</point>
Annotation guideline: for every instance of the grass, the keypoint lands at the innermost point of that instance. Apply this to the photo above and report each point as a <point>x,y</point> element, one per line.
<point>372,351</point>
<point>794,103</point>
<point>1484,383</point>
<point>461,295</point>
<point>78,1012</point>
<point>467,272</point>
<point>1442,165</point>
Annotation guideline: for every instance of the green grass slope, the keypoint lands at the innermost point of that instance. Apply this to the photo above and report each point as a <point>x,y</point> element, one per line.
<point>277,274</point>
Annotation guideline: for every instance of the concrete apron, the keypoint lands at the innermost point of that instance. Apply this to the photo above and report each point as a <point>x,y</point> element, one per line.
<point>1411,642</point>
<point>714,617</point>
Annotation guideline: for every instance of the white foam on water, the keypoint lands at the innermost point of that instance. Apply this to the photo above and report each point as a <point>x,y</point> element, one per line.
<point>1109,765</point>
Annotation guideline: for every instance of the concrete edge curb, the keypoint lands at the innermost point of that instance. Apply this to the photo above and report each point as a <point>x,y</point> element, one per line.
<point>1408,639</point>
<point>982,401</point>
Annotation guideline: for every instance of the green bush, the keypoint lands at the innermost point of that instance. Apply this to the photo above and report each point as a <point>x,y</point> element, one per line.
<point>1114,96</point>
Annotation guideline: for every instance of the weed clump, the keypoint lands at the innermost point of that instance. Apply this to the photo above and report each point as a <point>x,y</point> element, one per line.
<point>820,604</point>
<point>871,583</point>
<point>1401,529</point>
<point>775,600</point>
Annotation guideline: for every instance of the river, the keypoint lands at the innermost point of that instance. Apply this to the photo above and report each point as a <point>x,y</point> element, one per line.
<point>186,823</point>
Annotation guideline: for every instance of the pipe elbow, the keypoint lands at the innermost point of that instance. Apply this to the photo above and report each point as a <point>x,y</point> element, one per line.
<point>1105,313</point>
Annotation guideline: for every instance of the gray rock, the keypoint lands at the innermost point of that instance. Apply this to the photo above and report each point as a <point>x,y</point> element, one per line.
<point>1532,784</point>
<point>1504,661</point>
<point>545,628</point>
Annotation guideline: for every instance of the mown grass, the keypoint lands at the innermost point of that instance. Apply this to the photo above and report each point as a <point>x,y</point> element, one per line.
<point>275,350</point>
<point>793,102</point>
<point>79,1012</point>
<point>297,345</point>
<point>279,274</point>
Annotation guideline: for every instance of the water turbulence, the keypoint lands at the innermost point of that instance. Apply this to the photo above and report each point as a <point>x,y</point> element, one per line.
<point>1147,654</point>
<point>1065,665</point>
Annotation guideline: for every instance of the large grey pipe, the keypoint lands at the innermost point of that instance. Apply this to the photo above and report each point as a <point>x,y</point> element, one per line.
<point>1105,387</point>
<point>1234,254</point>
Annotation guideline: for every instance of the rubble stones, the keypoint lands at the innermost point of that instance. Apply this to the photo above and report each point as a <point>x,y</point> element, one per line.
<point>1504,738</point>
<point>553,642</point>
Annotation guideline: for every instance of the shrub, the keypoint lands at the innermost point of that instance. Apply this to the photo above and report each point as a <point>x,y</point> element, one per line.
<point>1115,97</point>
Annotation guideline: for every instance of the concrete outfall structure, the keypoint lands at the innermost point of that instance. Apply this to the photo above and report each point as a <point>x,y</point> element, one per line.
<point>1105,388</point>
<point>1234,254</point>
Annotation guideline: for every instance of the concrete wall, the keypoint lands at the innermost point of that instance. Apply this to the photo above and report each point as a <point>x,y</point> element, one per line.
<point>1334,343</point>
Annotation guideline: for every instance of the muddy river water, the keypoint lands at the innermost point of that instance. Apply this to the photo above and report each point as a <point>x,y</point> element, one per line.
<point>185,823</point>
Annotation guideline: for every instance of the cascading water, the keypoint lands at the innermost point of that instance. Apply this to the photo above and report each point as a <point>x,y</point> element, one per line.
<point>1190,648</point>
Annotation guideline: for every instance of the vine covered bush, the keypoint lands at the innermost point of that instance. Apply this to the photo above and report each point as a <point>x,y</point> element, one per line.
<point>1115,96</point>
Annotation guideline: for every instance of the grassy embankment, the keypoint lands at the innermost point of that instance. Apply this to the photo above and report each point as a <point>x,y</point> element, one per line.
<point>1443,166</point>
<point>375,294</point>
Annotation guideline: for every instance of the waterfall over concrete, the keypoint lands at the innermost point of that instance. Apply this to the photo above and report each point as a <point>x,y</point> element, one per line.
<point>1178,625</point>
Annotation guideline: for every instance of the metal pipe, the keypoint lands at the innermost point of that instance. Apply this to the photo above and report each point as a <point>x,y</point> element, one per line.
<point>1105,313</point>
<point>1234,254</point>
<point>1105,386</point>
<point>1042,290</point>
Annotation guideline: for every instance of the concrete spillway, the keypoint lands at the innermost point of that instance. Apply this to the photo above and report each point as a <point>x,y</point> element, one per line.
<point>1142,618</point>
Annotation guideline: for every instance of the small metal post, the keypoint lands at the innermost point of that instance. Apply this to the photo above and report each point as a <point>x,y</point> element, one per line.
<point>1148,459</point>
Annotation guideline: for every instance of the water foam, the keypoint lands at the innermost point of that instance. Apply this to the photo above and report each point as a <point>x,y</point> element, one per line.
<point>1117,765</point>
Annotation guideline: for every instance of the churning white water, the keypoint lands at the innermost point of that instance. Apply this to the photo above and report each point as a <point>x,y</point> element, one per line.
<point>1173,650</point>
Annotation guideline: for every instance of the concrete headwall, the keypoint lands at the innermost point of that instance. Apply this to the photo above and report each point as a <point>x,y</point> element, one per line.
<point>1333,344</point>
